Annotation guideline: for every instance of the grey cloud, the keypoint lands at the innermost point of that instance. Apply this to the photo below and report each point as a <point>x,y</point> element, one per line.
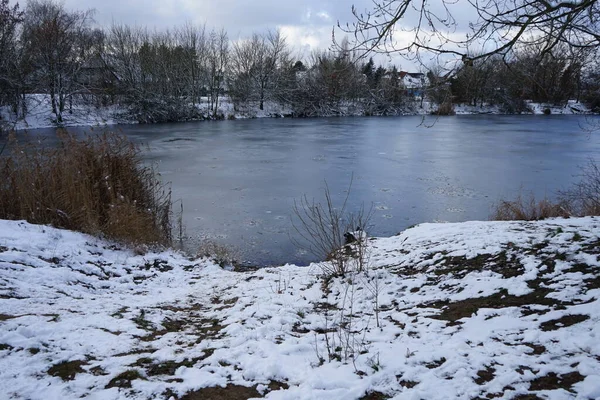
<point>234,15</point>
<point>308,23</point>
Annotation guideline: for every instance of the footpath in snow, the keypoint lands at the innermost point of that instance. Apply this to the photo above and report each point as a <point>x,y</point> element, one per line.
<point>474,310</point>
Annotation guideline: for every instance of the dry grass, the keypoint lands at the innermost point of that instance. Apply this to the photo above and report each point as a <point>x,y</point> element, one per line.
<point>528,209</point>
<point>584,196</point>
<point>322,227</point>
<point>97,185</point>
<point>221,254</point>
<point>581,199</point>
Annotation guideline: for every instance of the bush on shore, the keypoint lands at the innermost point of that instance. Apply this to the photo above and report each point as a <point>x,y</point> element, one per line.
<point>528,209</point>
<point>96,185</point>
<point>581,199</point>
<point>446,108</point>
<point>584,196</point>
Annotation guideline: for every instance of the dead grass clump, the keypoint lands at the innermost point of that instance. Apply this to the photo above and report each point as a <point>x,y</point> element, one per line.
<point>96,185</point>
<point>528,209</point>
<point>584,196</point>
<point>325,230</point>
<point>221,254</point>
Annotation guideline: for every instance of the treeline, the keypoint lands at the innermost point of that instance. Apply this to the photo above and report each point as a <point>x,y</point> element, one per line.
<point>167,75</point>
<point>185,73</point>
<point>551,77</point>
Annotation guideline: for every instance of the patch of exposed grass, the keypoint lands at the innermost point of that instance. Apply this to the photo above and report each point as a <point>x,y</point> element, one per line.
<point>436,363</point>
<point>167,367</point>
<point>536,349</point>
<point>124,379</point>
<point>4,346</point>
<point>503,263</point>
<point>141,321</point>
<point>119,313</point>
<point>553,381</point>
<point>4,317</point>
<point>529,396</point>
<point>233,392</point>
<point>485,375</point>
<point>67,370</point>
<point>375,396</point>
<point>465,308</point>
<point>563,322</point>
<point>229,392</point>
<point>408,384</point>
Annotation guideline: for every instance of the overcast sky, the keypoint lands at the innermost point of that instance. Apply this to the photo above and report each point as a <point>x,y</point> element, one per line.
<point>306,24</point>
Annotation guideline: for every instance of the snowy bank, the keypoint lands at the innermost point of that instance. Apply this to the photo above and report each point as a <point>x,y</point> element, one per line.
<point>572,107</point>
<point>39,113</point>
<point>40,116</point>
<point>444,311</point>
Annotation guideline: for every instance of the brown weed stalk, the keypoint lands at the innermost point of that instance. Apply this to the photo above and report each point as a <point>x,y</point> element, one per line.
<point>96,185</point>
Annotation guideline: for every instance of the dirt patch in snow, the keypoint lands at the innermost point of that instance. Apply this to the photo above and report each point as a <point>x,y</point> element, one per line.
<point>374,396</point>
<point>506,264</point>
<point>465,308</point>
<point>553,381</point>
<point>67,370</point>
<point>563,322</point>
<point>124,379</point>
<point>485,375</point>
<point>4,317</point>
<point>232,392</point>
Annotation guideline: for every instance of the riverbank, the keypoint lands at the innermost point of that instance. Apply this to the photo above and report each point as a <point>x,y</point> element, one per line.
<point>39,113</point>
<point>465,310</point>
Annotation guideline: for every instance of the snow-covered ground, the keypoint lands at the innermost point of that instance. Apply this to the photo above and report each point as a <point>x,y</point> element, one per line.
<point>572,107</point>
<point>39,113</point>
<point>40,116</point>
<point>443,311</point>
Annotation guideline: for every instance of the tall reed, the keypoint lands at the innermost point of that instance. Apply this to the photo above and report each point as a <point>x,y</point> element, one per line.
<point>96,185</point>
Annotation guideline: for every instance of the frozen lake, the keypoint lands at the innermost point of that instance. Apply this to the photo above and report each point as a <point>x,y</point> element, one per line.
<point>238,179</point>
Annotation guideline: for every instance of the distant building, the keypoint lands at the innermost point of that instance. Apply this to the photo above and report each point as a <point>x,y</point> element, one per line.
<point>414,83</point>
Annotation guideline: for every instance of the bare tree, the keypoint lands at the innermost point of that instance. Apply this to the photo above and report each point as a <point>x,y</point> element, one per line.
<point>475,83</point>
<point>274,53</point>
<point>160,73</point>
<point>332,85</point>
<point>10,19</point>
<point>244,54</point>
<point>553,77</point>
<point>57,43</point>
<point>410,27</point>
<point>254,66</point>
<point>193,39</point>
<point>123,57</point>
<point>590,86</point>
<point>217,60</point>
